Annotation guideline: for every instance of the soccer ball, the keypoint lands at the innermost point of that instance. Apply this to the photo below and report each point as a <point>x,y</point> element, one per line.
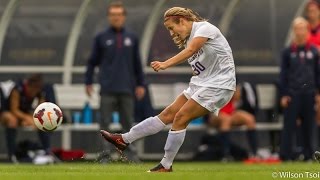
<point>47,116</point>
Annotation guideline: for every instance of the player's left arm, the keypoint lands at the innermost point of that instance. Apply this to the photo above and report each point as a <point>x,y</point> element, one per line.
<point>138,72</point>
<point>193,47</point>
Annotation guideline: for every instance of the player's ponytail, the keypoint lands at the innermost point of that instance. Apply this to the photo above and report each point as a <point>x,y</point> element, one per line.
<point>175,13</point>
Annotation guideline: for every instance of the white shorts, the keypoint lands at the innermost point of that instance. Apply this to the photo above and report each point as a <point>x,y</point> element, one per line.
<point>213,99</point>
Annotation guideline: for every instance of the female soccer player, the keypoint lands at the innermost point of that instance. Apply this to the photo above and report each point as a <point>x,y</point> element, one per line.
<point>211,87</point>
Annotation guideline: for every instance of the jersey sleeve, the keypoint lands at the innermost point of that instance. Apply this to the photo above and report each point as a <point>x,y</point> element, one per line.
<point>206,31</point>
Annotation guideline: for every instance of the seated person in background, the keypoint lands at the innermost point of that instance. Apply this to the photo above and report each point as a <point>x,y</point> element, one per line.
<point>239,111</point>
<point>18,111</point>
<point>7,119</point>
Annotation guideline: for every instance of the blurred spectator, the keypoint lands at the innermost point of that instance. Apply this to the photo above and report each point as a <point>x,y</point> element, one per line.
<point>241,110</point>
<point>299,84</point>
<point>17,110</point>
<point>116,53</point>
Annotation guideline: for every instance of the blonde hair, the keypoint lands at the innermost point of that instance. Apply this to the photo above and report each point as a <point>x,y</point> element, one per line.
<point>175,13</point>
<point>299,20</point>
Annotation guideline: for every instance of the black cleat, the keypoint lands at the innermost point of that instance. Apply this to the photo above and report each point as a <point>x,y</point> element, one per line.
<point>160,168</point>
<point>115,139</point>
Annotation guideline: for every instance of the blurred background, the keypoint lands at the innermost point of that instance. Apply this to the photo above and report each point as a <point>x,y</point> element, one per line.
<point>55,38</point>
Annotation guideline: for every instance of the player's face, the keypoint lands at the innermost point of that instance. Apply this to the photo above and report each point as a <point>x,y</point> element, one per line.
<point>33,90</point>
<point>313,12</point>
<point>177,29</point>
<point>300,31</point>
<point>116,17</point>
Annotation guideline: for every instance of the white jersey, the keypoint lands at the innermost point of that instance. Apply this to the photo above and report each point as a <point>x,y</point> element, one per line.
<point>213,64</point>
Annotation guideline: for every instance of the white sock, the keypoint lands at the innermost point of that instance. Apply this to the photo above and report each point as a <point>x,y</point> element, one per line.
<point>174,142</point>
<point>149,126</point>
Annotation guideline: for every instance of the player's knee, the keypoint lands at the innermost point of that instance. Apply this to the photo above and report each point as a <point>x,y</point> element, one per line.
<point>10,120</point>
<point>214,121</point>
<point>180,120</point>
<point>225,124</point>
<point>167,115</point>
<point>251,122</point>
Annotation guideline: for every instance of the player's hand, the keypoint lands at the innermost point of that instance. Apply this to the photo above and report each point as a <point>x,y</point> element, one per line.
<point>157,65</point>
<point>89,90</point>
<point>285,100</point>
<point>28,121</point>
<point>140,92</point>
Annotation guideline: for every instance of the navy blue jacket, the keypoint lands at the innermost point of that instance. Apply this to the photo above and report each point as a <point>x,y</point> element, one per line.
<point>117,55</point>
<point>299,70</point>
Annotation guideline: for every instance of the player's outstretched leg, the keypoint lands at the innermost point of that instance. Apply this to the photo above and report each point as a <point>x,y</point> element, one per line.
<point>147,127</point>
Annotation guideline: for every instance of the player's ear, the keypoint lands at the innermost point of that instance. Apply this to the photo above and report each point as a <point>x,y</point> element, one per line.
<point>181,21</point>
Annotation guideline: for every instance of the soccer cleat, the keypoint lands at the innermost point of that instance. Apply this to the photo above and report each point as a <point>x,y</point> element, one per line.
<point>115,139</point>
<point>317,156</point>
<point>160,168</point>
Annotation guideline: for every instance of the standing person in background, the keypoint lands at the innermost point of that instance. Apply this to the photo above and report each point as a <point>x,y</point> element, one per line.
<point>116,53</point>
<point>299,84</point>
<point>312,13</point>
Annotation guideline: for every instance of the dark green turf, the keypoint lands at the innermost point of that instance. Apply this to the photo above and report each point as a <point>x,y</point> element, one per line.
<point>182,171</point>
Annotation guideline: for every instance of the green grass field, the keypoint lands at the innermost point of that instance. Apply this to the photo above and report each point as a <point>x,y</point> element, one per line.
<point>182,171</point>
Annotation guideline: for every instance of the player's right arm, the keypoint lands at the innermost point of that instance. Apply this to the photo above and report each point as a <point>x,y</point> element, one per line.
<point>15,106</point>
<point>285,98</point>
<point>193,47</point>
<point>93,61</point>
